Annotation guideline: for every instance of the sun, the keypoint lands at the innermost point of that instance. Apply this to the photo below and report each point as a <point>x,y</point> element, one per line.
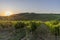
<point>8,13</point>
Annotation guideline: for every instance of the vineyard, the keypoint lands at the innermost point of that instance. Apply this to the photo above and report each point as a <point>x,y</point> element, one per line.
<point>30,30</point>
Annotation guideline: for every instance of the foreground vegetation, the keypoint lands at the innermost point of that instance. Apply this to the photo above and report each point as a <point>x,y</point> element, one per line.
<point>30,30</point>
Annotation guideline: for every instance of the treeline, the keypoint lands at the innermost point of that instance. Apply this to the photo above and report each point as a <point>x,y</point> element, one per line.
<point>32,16</point>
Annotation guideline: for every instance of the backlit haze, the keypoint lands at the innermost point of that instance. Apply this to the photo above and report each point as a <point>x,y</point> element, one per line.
<point>38,6</point>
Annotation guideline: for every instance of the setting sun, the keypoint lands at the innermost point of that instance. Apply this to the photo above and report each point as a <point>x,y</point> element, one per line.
<point>7,13</point>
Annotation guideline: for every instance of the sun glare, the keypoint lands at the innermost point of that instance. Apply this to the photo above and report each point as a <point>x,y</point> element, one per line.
<point>8,13</point>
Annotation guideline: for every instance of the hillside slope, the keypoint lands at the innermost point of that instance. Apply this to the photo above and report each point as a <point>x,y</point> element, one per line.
<point>31,16</point>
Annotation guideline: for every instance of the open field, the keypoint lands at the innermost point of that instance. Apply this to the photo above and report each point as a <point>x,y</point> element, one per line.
<point>30,30</point>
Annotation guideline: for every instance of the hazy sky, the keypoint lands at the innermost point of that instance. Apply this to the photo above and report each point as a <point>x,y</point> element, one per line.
<point>44,6</point>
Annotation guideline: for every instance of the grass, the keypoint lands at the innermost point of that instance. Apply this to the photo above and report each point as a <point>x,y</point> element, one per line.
<point>23,28</point>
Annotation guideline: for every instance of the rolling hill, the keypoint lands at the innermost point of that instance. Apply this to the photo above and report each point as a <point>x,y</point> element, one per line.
<point>31,16</point>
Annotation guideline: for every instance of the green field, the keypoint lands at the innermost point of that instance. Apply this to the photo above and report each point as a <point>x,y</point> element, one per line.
<point>29,30</point>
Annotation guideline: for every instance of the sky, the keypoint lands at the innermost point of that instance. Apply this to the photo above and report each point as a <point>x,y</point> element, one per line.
<point>37,6</point>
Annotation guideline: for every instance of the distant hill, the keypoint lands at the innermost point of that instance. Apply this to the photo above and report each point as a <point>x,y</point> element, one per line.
<point>31,16</point>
